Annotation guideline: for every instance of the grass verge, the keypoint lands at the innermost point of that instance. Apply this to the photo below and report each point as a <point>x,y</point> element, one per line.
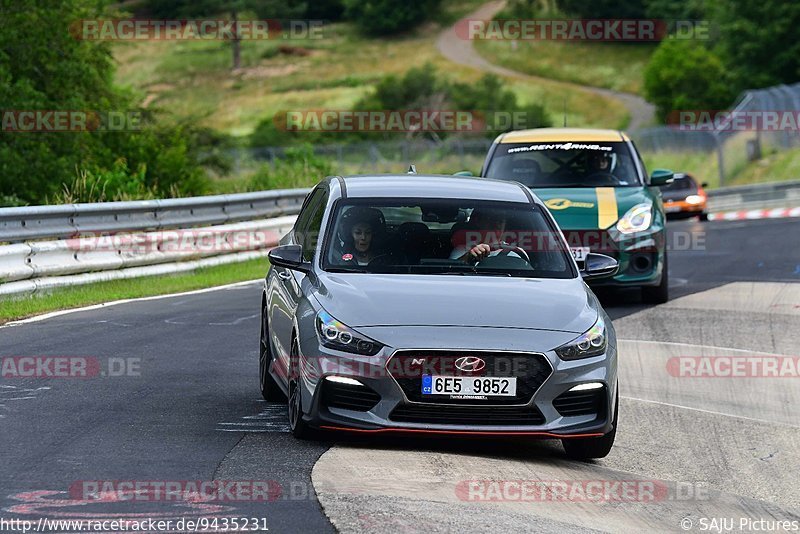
<point>617,66</point>
<point>12,309</point>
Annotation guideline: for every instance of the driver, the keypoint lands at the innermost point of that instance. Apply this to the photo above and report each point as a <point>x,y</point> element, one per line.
<point>489,226</point>
<point>360,228</point>
<point>599,162</point>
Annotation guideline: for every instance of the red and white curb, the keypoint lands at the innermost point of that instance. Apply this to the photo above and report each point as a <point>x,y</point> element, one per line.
<point>775,213</point>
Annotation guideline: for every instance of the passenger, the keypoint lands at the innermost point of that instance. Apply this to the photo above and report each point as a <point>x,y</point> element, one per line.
<point>362,229</point>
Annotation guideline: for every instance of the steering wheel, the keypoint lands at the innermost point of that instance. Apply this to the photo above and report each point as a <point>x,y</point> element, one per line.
<point>507,248</point>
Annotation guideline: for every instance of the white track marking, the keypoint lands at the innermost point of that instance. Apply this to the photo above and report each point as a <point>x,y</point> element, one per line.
<point>710,412</point>
<point>678,344</point>
<point>125,301</point>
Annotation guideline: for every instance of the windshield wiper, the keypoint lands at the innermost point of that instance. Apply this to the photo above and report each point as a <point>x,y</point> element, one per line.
<point>472,272</point>
<point>346,270</point>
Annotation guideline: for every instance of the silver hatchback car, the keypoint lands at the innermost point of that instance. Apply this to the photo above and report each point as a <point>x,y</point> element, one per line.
<point>437,305</point>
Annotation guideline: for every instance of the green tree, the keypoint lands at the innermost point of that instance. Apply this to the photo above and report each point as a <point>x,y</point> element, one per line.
<point>685,75</point>
<point>382,17</point>
<point>758,41</point>
<point>44,68</point>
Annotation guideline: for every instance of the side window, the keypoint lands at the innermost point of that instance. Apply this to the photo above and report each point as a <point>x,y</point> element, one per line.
<point>309,223</point>
<point>305,214</point>
<point>645,176</point>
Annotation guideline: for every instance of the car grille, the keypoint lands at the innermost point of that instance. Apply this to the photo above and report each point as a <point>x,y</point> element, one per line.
<point>349,397</point>
<point>467,415</point>
<point>531,371</point>
<point>581,403</point>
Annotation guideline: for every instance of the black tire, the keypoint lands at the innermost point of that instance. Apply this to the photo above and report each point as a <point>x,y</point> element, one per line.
<point>270,389</point>
<point>703,216</point>
<point>658,294</point>
<point>297,424</point>
<point>592,448</point>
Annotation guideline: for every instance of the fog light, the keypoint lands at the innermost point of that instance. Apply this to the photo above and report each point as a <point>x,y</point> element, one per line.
<point>589,386</point>
<point>343,380</point>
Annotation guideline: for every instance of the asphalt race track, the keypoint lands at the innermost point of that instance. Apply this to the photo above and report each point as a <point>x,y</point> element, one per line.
<point>190,410</point>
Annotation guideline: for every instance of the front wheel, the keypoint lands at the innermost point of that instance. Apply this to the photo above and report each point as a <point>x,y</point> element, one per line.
<point>592,448</point>
<point>658,294</point>
<point>297,424</point>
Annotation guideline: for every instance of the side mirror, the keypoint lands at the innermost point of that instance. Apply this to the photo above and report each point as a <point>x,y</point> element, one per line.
<point>599,266</point>
<point>463,173</point>
<point>704,185</point>
<point>289,257</point>
<point>661,176</point>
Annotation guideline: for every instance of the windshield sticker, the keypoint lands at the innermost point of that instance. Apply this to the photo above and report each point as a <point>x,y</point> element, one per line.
<point>560,146</point>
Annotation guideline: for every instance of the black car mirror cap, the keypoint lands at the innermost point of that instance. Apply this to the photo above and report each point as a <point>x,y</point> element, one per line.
<point>598,266</point>
<point>289,257</point>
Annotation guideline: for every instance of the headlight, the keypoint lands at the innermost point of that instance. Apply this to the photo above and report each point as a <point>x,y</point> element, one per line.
<point>694,199</point>
<point>337,335</point>
<point>591,343</point>
<point>637,219</point>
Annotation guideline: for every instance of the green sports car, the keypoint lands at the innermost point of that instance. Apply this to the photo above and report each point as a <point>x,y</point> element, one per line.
<point>595,184</point>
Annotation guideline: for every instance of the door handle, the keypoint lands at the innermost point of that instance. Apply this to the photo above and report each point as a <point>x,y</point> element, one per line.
<point>284,275</point>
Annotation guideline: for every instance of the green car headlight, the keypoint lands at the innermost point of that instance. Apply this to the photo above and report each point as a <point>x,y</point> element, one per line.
<point>637,219</point>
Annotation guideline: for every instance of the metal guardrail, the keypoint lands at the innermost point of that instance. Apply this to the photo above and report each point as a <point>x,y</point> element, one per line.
<point>69,220</point>
<point>764,196</point>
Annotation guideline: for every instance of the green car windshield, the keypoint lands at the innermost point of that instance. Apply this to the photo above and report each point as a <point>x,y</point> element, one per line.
<point>567,164</point>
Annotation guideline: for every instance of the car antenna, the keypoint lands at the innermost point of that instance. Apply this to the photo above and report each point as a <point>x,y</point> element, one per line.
<point>412,169</point>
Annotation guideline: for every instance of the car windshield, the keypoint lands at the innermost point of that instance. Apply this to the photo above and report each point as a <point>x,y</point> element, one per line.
<point>540,165</point>
<point>434,236</point>
<point>679,183</point>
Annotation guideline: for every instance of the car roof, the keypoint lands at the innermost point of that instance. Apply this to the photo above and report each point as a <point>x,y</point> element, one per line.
<point>580,135</point>
<point>433,186</point>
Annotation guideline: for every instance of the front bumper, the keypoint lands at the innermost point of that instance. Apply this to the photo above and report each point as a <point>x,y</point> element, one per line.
<point>381,405</point>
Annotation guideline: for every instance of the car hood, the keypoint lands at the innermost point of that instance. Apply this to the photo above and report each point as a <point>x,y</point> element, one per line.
<point>364,300</point>
<point>591,208</point>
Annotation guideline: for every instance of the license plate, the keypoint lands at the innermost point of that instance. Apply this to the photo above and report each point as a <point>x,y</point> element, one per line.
<point>469,385</point>
<point>672,209</point>
<point>579,253</point>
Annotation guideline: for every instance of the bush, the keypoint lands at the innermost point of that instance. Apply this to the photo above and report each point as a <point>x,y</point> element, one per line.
<point>299,167</point>
<point>684,75</point>
<point>420,88</point>
<point>381,17</point>
<point>604,9</point>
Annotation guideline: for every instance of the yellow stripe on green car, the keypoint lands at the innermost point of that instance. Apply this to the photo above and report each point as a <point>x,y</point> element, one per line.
<point>606,207</point>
